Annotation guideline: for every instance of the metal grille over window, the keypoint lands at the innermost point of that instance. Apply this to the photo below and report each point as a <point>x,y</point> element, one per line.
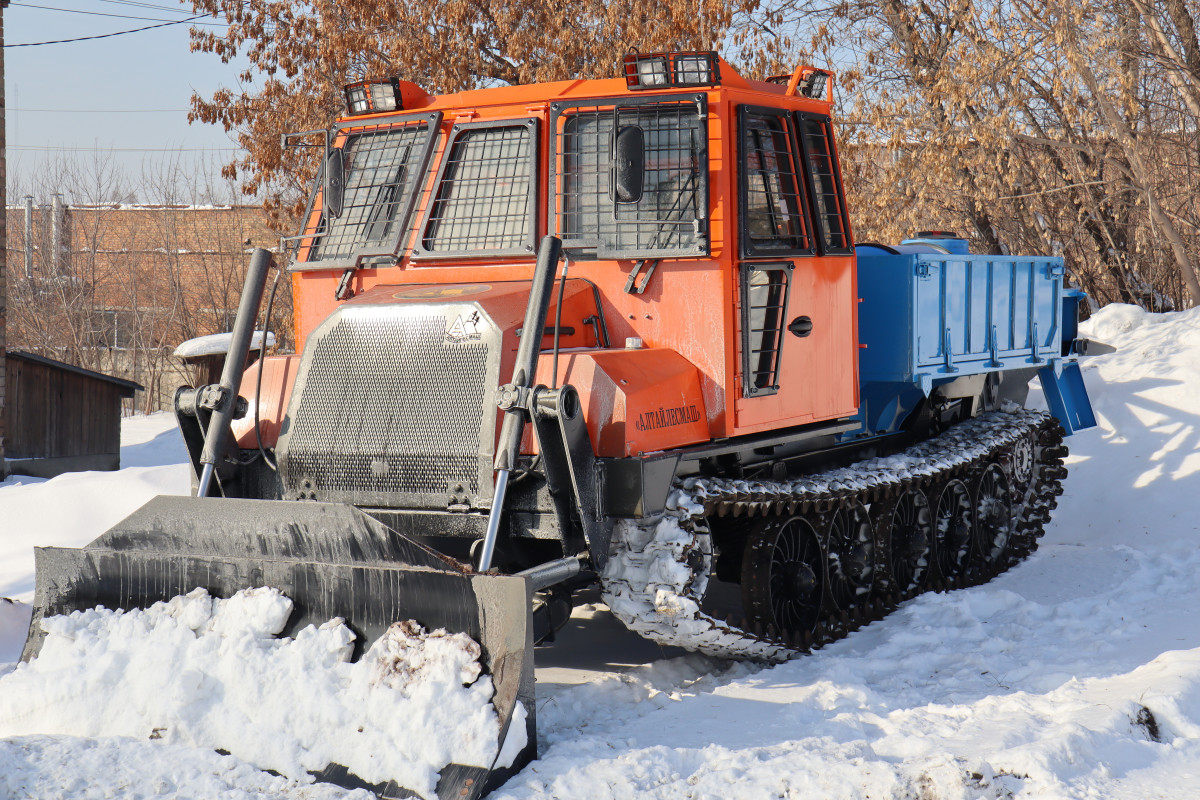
<point>668,218</point>
<point>485,200</point>
<point>826,189</point>
<point>381,165</point>
<point>773,221</point>
<point>764,308</point>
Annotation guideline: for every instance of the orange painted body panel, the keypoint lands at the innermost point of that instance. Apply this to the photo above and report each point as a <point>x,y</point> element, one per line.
<point>278,376</point>
<point>504,302</point>
<point>691,305</point>
<point>634,401</point>
<point>818,375</point>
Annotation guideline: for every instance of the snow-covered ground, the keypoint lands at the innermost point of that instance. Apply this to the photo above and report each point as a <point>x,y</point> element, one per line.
<point>1076,675</point>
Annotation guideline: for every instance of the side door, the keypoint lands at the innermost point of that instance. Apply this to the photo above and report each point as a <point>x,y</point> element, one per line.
<point>796,293</point>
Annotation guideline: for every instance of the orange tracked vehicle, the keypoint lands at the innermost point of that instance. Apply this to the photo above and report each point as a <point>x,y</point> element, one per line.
<point>610,332</point>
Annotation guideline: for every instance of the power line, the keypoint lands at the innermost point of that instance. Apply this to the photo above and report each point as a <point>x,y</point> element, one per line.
<point>151,6</point>
<point>98,110</point>
<point>74,149</point>
<point>107,35</point>
<point>99,13</point>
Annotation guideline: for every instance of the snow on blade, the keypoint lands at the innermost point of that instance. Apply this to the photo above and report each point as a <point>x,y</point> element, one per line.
<point>212,673</point>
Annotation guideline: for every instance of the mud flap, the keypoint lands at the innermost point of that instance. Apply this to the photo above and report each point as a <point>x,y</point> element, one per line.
<point>1067,397</point>
<point>332,561</point>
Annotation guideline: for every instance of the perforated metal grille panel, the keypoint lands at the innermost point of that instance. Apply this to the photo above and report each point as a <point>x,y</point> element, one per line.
<point>391,412</point>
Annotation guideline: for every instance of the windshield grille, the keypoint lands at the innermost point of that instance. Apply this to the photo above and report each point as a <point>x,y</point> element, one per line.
<point>668,220</point>
<point>382,166</point>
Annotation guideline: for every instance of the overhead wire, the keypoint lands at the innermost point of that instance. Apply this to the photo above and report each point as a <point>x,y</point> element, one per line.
<point>99,110</point>
<point>74,149</point>
<point>106,35</point>
<point>98,13</point>
<point>151,6</point>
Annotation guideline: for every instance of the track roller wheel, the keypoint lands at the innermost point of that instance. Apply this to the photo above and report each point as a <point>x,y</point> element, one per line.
<point>783,576</point>
<point>953,516</point>
<point>1020,461</point>
<point>993,520</point>
<point>851,555</point>
<point>909,537</point>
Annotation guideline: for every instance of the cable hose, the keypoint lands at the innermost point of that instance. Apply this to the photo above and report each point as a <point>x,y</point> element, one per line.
<point>562,285</point>
<point>262,355</point>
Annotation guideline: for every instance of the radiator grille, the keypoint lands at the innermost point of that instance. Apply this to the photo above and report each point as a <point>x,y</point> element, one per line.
<point>391,413</point>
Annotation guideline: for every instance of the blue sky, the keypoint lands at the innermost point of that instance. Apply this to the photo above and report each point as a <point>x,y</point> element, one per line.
<point>126,95</point>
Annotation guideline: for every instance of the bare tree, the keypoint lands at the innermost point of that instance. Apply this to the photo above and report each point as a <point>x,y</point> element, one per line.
<point>129,282</point>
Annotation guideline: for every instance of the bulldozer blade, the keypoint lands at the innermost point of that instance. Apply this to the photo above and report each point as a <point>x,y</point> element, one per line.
<point>332,561</point>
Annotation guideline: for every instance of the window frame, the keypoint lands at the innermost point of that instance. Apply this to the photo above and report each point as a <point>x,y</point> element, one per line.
<point>599,251</point>
<point>821,223</point>
<point>529,238</point>
<point>393,244</point>
<point>749,368</point>
<point>749,247</point>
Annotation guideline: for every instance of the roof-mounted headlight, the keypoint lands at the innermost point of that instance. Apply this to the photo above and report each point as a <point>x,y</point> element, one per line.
<point>666,70</point>
<point>373,97</point>
<point>816,85</point>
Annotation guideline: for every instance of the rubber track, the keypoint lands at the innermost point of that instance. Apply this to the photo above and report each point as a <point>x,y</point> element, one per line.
<point>658,568</point>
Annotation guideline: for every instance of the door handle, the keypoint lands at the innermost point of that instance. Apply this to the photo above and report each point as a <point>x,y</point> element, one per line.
<point>801,326</point>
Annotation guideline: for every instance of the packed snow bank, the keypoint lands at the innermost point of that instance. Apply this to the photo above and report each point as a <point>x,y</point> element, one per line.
<point>73,768</point>
<point>211,673</point>
<point>76,507</point>
<point>1076,675</point>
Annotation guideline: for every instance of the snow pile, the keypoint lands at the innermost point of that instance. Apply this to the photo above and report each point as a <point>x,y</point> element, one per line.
<point>73,768</point>
<point>216,344</point>
<point>212,673</point>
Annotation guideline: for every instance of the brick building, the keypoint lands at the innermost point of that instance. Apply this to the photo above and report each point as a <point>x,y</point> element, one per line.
<point>114,288</point>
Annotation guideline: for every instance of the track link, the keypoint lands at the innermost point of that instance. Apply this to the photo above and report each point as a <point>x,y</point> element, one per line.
<point>659,569</point>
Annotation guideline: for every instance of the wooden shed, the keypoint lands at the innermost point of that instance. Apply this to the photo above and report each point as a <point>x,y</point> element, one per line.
<point>61,418</point>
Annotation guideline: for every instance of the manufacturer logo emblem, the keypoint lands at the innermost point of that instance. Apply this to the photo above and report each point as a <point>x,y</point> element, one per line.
<point>667,418</point>
<point>465,328</point>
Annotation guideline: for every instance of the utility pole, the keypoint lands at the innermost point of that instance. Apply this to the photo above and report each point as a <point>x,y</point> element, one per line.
<point>3,244</point>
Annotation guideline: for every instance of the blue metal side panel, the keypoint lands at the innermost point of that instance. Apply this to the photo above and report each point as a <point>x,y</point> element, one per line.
<point>885,317</point>
<point>928,318</point>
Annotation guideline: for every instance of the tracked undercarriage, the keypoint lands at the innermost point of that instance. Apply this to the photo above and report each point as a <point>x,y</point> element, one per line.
<point>819,556</point>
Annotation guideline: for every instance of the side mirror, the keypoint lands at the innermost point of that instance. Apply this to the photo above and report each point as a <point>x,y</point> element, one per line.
<point>628,171</point>
<point>335,183</point>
